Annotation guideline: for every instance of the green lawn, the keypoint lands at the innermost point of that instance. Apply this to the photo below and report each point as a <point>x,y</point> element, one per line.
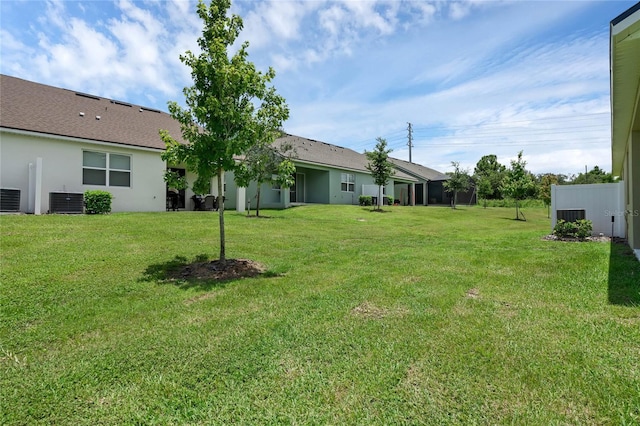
<point>419,315</point>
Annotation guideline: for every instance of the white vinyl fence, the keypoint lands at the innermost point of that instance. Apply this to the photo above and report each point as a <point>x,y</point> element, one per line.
<point>602,204</point>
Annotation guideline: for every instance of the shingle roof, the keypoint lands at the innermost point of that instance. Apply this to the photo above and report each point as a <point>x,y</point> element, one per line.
<point>34,107</point>
<point>418,170</point>
<point>326,154</point>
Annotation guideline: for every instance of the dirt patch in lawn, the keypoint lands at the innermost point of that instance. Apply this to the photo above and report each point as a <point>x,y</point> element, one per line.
<point>369,310</point>
<point>473,293</point>
<point>215,271</point>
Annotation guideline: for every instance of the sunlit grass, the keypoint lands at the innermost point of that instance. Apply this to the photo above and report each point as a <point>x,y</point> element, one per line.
<point>412,316</point>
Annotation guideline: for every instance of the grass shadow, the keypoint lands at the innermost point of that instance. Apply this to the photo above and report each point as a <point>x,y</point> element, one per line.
<point>160,272</point>
<point>624,275</point>
<point>373,209</point>
<point>177,272</point>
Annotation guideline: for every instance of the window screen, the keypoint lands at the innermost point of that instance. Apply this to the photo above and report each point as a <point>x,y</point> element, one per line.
<point>105,169</point>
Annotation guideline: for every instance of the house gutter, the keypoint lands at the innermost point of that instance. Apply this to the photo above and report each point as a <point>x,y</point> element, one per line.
<point>318,165</point>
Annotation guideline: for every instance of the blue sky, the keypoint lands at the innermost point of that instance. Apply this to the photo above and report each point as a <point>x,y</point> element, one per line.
<point>473,77</point>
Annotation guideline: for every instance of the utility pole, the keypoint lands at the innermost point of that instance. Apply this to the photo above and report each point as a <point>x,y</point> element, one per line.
<point>410,143</point>
<point>586,175</point>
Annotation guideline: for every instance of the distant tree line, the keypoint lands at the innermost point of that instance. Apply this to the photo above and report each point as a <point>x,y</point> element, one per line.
<point>495,181</point>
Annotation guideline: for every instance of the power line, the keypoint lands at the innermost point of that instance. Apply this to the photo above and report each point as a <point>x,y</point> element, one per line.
<point>582,117</point>
<point>480,131</point>
<point>595,140</point>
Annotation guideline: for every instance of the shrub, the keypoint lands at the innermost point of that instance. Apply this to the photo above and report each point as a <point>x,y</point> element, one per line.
<point>97,202</point>
<point>580,229</point>
<point>584,228</point>
<point>510,203</point>
<point>389,200</point>
<point>365,200</point>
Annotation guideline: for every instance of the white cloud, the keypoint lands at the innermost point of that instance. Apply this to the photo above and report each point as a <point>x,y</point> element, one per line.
<point>364,15</point>
<point>458,10</point>
<point>55,13</point>
<point>82,54</point>
<point>133,52</point>
<point>283,63</point>
<point>332,19</point>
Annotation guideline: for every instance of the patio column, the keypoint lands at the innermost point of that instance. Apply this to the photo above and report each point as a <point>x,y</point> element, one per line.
<point>426,193</point>
<point>34,200</point>
<point>412,199</point>
<point>241,199</point>
<point>284,197</point>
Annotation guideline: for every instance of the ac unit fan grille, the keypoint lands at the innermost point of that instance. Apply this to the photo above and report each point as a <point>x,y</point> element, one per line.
<point>66,202</point>
<point>9,200</point>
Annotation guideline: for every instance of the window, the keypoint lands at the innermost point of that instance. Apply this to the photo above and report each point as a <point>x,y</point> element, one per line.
<point>94,168</point>
<point>105,169</point>
<point>348,182</point>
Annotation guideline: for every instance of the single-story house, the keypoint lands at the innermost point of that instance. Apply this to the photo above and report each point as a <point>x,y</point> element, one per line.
<point>58,143</point>
<point>325,174</point>
<point>625,115</point>
<point>429,189</point>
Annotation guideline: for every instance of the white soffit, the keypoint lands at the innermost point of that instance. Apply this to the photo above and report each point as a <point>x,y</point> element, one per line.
<point>625,83</point>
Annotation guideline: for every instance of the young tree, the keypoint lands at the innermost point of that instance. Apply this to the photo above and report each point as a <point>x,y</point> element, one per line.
<point>265,163</point>
<point>483,188</point>
<point>491,174</point>
<point>544,192</point>
<point>380,167</point>
<point>518,184</point>
<point>230,106</point>
<point>459,180</point>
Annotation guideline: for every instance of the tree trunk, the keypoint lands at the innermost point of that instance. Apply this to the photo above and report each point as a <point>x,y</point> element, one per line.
<point>379,201</point>
<point>517,212</point>
<point>223,258</point>
<point>258,201</point>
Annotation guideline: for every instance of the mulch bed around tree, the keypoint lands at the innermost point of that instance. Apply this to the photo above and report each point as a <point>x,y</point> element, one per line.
<point>213,270</point>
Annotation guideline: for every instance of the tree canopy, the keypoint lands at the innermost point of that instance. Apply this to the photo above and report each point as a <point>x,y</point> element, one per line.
<point>229,108</point>
<point>459,180</point>
<point>518,183</point>
<point>262,163</point>
<point>379,165</point>
<point>595,175</point>
<point>489,174</point>
<point>544,190</point>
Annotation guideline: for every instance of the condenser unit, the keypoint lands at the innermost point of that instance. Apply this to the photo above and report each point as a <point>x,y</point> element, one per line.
<point>66,202</point>
<point>9,200</point>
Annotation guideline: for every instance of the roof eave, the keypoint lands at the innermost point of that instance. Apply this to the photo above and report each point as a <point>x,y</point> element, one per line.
<point>625,82</point>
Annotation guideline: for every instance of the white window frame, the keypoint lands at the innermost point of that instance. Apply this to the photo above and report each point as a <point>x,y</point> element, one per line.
<point>348,182</point>
<point>274,185</point>
<point>107,169</point>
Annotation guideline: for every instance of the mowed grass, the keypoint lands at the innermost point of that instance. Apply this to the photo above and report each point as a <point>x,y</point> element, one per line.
<point>418,315</point>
